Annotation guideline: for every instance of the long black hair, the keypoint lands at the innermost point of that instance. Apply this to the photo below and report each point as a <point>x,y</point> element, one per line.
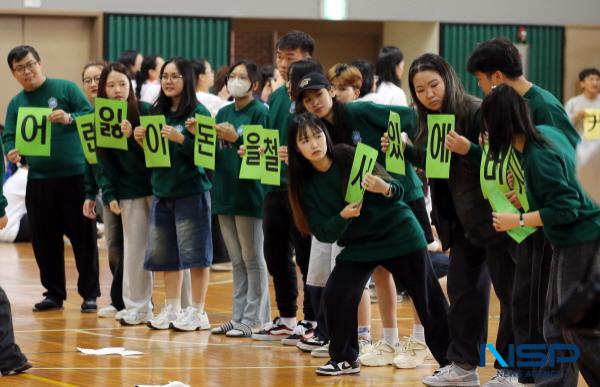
<point>456,100</point>
<point>505,114</point>
<point>188,101</point>
<point>385,67</point>
<point>149,63</point>
<point>133,112</point>
<point>300,169</point>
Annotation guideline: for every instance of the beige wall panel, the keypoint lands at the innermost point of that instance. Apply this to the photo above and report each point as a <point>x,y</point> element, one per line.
<point>65,44</point>
<point>582,49</point>
<point>414,39</point>
<point>11,31</point>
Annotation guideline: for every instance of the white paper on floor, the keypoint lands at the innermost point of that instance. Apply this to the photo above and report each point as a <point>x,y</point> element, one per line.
<point>171,384</point>
<point>109,351</point>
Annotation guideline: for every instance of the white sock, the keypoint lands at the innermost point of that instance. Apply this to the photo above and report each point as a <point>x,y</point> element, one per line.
<point>199,306</point>
<point>176,303</point>
<point>289,322</point>
<point>390,336</point>
<point>418,332</point>
<point>364,332</point>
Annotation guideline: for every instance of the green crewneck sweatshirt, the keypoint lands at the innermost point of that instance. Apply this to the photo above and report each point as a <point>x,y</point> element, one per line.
<point>281,114</point>
<point>369,122</point>
<point>230,194</point>
<point>66,158</point>
<point>184,178</point>
<point>386,227</point>
<point>569,215</point>
<point>124,171</point>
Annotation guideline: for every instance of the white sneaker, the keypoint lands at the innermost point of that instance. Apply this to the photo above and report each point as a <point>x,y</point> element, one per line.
<point>502,379</point>
<point>164,319</point>
<point>364,346</point>
<point>381,354</point>
<point>191,320</point>
<point>107,312</point>
<point>452,375</point>
<point>321,351</point>
<point>120,314</point>
<point>412,353</point>
<point>135,318</point>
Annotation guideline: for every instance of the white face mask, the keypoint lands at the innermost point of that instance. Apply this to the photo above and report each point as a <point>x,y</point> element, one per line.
<point>238,87</point>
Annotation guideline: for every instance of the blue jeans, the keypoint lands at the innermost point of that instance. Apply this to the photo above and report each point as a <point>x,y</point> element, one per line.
<point>179,236</point>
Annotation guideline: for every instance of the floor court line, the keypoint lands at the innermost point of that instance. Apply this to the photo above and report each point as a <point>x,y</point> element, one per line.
<point>45,380</point>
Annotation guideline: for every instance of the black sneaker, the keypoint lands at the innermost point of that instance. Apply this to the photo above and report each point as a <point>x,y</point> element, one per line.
<point>17,370</point>
<point>47,304</point>
<point>333,368</point>
<point>307,345</point>
<point>89,306</point>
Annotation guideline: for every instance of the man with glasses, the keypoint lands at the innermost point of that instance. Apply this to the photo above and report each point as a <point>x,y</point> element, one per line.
<point>55,190</point>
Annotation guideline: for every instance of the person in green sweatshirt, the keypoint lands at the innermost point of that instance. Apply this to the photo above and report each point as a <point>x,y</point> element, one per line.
<point>365,122</point>
<point>179,236</point>
<point>379,230</point>
<point>495,62</point>
<point>282,239</point>
<point>12,360</point>
<point>239,204</point>
<point>55,186</point>
<point>570,219</point>
<point>128,193</point>
<point>113,227</point>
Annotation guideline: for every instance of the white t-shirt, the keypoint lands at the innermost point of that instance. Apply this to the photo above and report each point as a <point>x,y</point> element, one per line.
<point>212,102</point>
<point>588,164</point>
<point>371,97</point>
<point>579,103</point>
<point>14,191</point>
<point>391,94</point>
<point>150,92</point>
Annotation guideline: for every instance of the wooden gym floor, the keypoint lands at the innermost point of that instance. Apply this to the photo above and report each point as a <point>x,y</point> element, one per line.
<point>50,341</point>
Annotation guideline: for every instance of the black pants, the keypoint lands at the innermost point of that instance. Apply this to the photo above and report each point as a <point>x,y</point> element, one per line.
<point>469,274</point>
<point>571,265</point>
<point>24,234</point>
<point>220,254</point>
<point>344,290</point>
<point>282,238</point>
<point>11,356</point>
<point>532,271</point>
<point>54,209</point>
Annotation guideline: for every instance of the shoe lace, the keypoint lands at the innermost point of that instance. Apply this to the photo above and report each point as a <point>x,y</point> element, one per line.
<point>299,330</point>
<point>164,313</point>
<point>445,369</point>
<point>382,346</point>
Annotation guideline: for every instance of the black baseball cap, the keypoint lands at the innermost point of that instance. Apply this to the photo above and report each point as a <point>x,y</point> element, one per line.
<point>312,81</point>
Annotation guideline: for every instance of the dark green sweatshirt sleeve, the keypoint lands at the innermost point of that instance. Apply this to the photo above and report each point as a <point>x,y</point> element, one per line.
<point>327,230</point>
<point>560,201</point>
<point>78,103</point>
<point>90,184</point>
<point>10,124</point>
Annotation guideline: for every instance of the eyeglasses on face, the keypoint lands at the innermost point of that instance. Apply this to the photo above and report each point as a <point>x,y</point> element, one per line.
<point>90,80</point>
<point>171,77</point>
<point>28,66</point>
